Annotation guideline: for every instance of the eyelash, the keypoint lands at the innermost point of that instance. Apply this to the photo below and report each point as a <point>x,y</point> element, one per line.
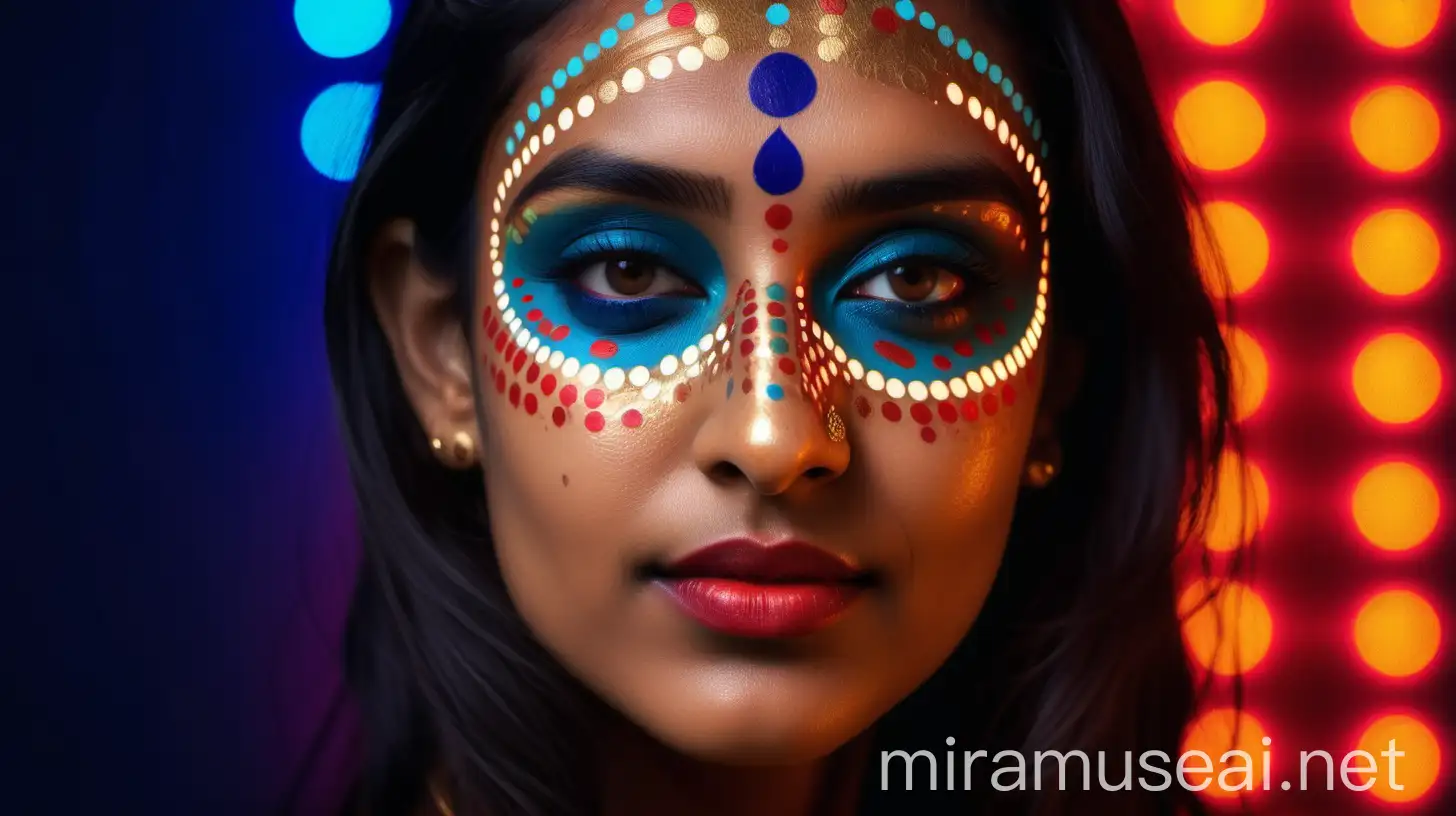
<point>928,245</point>
<point>970,273</point>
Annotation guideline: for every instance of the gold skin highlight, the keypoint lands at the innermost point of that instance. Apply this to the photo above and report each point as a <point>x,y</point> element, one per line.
<point>765,392</point>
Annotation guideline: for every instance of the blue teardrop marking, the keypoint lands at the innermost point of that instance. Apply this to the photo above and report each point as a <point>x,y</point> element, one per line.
<point>778,168</point>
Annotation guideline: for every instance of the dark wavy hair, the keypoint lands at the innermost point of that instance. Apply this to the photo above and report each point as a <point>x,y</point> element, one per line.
<point>1079,644</point>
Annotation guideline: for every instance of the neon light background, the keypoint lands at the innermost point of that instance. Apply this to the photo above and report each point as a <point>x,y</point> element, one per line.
<point>1316,138</point>
<point>184,542</point>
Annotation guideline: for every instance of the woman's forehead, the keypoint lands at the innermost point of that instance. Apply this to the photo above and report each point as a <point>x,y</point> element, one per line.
<point>855,89</point>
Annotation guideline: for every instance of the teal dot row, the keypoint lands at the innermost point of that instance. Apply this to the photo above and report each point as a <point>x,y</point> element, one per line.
<point>574,67</point>
<point>777,14</point>
<point>905,9</point>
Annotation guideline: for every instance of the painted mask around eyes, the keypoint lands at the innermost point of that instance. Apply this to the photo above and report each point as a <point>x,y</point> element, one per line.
<point>563,352</point>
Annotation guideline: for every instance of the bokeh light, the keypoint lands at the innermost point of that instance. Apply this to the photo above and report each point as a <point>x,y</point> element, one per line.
<point>1250,371</point>
<point>1231,233</point>
<point>1396,252</point>
<point>1396,378</point>
<point>1397,633</point>
<point>1396,506</point>
<point>1396,128</point>
<point>1415,772</point>
<point>1220,22</point>
<point>1396,23</point>
<point>1231,632</point>
<point>1220,125</point>
<point>1240,507</point>
<point>1215,733</point>
<point>336,127</point>
<point>341,28</point>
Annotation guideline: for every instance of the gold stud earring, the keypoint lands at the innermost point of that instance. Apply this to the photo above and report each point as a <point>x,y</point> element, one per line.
<point>458,452</point>
<point>1040,473</point>
<point>834,426</point>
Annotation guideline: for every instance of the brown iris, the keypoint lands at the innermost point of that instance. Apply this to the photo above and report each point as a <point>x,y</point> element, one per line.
<point>629,276</point>
<point>913,283</point>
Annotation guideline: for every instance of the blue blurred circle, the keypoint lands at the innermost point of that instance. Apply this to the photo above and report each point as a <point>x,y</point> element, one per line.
<point>336,127</point>
<point>341,28</point>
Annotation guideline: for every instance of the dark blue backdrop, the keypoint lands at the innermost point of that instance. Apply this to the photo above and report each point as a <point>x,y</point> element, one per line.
<point>170,432</point>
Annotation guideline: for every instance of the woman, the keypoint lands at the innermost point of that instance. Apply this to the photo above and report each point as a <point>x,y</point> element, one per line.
<point>738,392</point>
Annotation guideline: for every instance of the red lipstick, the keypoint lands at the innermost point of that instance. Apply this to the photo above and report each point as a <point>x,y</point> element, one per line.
<point>746,589</point>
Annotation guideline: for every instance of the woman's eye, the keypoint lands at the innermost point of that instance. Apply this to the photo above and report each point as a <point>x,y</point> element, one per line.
<point>626,278</point>
<point>912,283</point>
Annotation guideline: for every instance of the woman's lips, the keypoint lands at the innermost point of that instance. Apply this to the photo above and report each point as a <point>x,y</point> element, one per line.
<point>745,589</point>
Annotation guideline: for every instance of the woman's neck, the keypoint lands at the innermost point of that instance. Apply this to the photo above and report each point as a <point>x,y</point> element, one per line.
<point>643,777</point>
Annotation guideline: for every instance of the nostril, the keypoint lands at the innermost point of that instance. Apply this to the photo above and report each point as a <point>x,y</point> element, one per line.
<point>726,472</point>
<point>818,473</point>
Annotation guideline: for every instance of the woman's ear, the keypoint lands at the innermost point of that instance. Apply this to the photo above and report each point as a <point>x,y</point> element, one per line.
<point>1059,390</point>
<point>417,312</point>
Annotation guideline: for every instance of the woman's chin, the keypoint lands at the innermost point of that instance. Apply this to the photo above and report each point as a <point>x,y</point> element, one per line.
<point>756,730</point>
<point>749,745</point>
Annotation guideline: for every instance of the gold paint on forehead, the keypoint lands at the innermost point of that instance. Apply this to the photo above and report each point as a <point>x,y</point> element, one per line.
<point>653,50</point>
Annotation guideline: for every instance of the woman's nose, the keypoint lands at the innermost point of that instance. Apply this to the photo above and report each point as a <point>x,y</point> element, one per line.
<point>770,431</point>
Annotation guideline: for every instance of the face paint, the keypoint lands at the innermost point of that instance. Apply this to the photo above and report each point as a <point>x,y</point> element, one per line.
<point>592,339</point>
<point>571,336</point>
<point>950,354</point>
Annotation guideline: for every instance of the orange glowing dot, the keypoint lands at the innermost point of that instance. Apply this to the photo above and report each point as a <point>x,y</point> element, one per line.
<point>1414,761</point>
<point>1240,505</point>
<point>1220,22</point>
<point>1396,128</point>
<point>1396,23</point>
<point>1396,506</point>
<point>1231,233</point>
<point>1396,252</point>
<point>1216,733</point>
<point>1250,368</point>
<point>1396,378</point>
<point>1398,633</point>
<point>1230,633</point>
<point>1220,125</point>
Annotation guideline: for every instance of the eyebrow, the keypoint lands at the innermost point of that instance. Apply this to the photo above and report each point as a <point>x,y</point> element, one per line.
<point>978,180</point>
<point>585,168</point>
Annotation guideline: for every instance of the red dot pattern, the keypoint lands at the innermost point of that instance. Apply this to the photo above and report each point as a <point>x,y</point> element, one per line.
<point>933,418</point>
<point>779,217</point>
<point>595,422</point>
<point>895,353</point>
<point>526,383</point>
<point>681,15</point>
<point>884,19</point>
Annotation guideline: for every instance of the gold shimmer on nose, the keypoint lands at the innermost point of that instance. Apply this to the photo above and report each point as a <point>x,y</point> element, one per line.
<point>834,426</point>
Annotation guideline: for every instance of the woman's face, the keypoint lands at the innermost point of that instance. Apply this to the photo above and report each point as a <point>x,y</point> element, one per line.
<point>759,354</point>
